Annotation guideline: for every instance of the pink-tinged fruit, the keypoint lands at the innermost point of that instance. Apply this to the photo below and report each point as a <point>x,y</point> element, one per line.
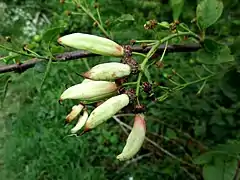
<point>135,139</point>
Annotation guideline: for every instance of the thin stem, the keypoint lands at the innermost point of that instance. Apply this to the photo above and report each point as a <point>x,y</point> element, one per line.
<point>71,79</point>
<point>182,86</point>
<point>139,54</point>
<point>149,54</point>
<point>178,131</point>
<point>124,129</point>
<point>153,50</point>
<point>93,18</point>
<point>129,83</point>
<point>201,88</point>
<point>178,142</point>
<point>196,73</point>
<point>133,160</point>
<point>4,91</point>
<point>184,27</point>
<point>163,87</point>
<point>158,43</point>
<point>145,41</point>
<point>21,53</point>
<point>138,83</point>
<point>163,97</point>
<point>193,82</point>
<point>237,174</point>
<point>46,73</point>
<point>168,153</point>
<point>6,58</point>
<point>181,77</point>
<point>77,13</point>
<point>207,69</point>
<point>99,16</point>
<point>151,44</point>
<point>32,52</point>
<point>188,30</point>
<point>173,82</point>
<point>188,173</point>
<point>163,54</point>
<point>86,63</point>
<point>164,51</point>
<point>179,34</point>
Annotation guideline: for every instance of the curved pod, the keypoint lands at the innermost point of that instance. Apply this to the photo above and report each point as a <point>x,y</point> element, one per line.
<point>81,122</point>
<point>135,139</point>
<point>106,110</point>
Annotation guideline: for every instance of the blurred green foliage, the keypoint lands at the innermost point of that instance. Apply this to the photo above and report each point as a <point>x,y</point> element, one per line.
<point>198,124</point>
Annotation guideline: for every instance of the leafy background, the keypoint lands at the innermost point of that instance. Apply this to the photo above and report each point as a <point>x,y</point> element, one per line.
<point>197,127</point>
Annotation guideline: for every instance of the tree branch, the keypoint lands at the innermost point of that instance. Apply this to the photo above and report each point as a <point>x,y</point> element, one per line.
<point>67,56</point>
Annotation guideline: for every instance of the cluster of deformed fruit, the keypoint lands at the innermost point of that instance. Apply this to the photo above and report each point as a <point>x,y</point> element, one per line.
<point>100,85</point>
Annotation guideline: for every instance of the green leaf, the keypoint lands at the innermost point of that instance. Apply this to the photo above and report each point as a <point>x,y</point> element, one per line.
<point>235,48</point>
<point>147,74</point>
<point>221,150</point>
<point>200,129</point>
<point>177,6</point>
<point>208,12</point>
<point>56,49</point>
<point>220,170</point>
<point>204,158</point>
<point>231,149</point>
<point>169,170</point>
<point>52,33</point>
<point>113,139</point>
<point>46,73</point>
<point>171,134</point>
<point>236,21</point>
<point>5,80</point>
<point>211,45</point>
<point>212,172</point>
<point>230,169</point>
<point>228,85</point>
<point>214,53</point>
<point>40,67</point>
<point>125,17</point>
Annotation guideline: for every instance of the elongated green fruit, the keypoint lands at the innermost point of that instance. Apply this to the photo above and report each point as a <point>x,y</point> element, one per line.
<point>92,43</point>
<point>135,139</point>
<point>89,90</point>
<point>81,122</point>
<point>108,71</point>
<point>75,111</point>
<point>106,110</point>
